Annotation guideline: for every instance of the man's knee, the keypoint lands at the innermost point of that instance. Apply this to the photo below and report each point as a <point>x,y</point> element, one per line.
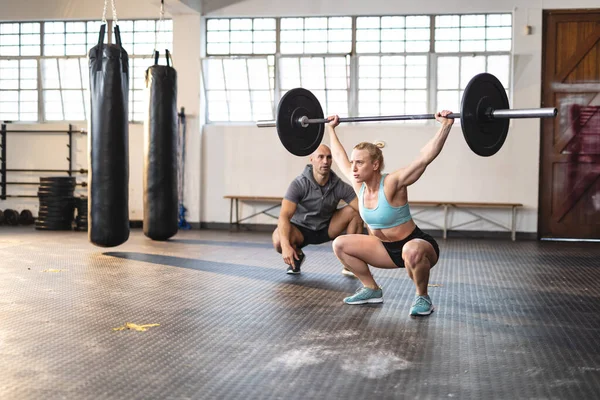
<point>276,241</point>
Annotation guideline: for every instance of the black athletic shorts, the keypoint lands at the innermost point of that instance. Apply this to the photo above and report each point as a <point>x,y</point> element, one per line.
<point>313,237</point>
<point>394,249</point>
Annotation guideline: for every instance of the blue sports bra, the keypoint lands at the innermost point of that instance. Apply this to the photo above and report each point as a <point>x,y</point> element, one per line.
<point>384,215</point>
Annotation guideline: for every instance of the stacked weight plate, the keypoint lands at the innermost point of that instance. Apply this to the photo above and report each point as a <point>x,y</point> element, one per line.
<point>81,220</point>
<point>57,203</point>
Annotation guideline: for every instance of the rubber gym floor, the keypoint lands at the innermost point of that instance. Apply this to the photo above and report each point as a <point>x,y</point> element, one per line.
<point>215,316</point>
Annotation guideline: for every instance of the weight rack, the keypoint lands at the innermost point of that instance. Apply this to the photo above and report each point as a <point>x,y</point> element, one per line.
<point>4,171</point>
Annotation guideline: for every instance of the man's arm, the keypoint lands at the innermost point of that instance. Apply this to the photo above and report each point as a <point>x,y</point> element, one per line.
<point>284,224</point>
<point>410,174</point>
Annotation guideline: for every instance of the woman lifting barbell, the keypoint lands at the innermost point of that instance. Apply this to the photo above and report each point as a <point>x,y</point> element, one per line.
<point>395,241</point>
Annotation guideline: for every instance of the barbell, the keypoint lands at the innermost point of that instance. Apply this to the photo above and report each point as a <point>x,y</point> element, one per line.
<point>484,115</point>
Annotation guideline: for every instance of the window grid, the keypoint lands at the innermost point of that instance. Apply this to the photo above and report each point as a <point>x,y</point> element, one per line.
<point>326,77</point>
<point>392,84</point>
<point>241,89</point>
<point>473,33</point>
<point>316,35</point>
<point>241,36</point>
<point>73,38</point>
<point>141,38</point>
<point>60,50</point>
<point>20,39</point>
<point>393,34</point>
<point>400,86</point>
<point>455,71</point>
<point>18,90</point>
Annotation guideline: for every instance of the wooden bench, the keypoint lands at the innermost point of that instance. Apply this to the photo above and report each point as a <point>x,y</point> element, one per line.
<point>467,208</point>
<point>446,205</point>
<point>251,199</point>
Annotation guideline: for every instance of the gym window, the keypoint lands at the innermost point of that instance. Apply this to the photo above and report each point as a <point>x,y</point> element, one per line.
<point>371,65</point>
<point>455,72</point>
<point>240,89</point>
<point>18,90</point>
<point>392,84</point>
<point>140,38</point>
<point>240,36</point>
<point>19,49</point>
<point>397,34</point>
<point>316,35</point>
<point>326,77</point>
<point>473,33</point>
<point>65,88</point>
<point>59,50</point>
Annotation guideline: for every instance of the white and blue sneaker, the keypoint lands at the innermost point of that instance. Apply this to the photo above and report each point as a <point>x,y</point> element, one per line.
<point>365,295</point>
<point>421,306</point>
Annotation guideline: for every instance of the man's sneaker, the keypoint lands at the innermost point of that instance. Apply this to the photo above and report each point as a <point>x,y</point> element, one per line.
<point>347,272</point>
<point>295,269</point>
<point>365,295</point>
<point>421,306</point>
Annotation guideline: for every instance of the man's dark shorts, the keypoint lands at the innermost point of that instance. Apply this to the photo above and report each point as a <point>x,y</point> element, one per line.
<point>394,249</point>
<point>313,237</point>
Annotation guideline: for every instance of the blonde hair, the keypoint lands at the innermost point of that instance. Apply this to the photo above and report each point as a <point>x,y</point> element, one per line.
<point>374,150</point>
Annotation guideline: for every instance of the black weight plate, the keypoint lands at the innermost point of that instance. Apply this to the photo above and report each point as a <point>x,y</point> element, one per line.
<point>57,189</point>
<point>53,227</point>
<point>57,208</point>
<point>55,221</point>
<point>484,135</point>
<point>57,178</point>
<point>296,139</point>
<point>50,211</point>
<point>11,217</point>
<point>26,217</point>
<point>70,182</point>
<point>1,217</point>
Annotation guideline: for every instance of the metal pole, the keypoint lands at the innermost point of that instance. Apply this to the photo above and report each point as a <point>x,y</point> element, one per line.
<point>70,146</point>
<point>3,162</point>
<point>304,121</point>
<point>548,112</point>
<point>77,171</point>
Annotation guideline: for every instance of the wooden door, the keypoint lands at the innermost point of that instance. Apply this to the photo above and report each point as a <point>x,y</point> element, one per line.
<point>569,203</point>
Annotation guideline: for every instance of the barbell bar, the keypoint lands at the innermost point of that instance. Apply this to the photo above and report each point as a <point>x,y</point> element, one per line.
<point>484,117</point>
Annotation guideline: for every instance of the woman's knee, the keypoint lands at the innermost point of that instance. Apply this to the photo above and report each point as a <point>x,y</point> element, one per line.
<point>340,245</point>
<point>413,254</point>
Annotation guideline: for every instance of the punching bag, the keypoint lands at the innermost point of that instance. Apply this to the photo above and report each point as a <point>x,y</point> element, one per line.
<point>108,192</point>
<point>160,152</point>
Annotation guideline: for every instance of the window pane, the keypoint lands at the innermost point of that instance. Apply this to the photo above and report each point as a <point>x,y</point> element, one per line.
<point>240,36</point>
<point>316,35</point>
<point>492,32</point>
<point>395,76</point>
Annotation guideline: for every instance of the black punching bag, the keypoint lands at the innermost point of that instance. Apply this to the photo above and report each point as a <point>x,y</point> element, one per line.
<point>108,192</point>
<point>160,152</point>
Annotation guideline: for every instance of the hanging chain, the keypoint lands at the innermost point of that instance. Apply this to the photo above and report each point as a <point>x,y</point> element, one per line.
<point>159,24</point>
<point>104,12</point>
<point>114,12</point>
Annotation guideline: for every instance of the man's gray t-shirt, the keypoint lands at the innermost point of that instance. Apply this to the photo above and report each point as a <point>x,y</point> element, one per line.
<point>316,204</point>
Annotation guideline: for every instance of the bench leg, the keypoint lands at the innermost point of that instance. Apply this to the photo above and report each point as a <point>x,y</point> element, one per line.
<point>514,224</point>
<point>230,213</point>
<point>237,213</point>
<point>445,220</point>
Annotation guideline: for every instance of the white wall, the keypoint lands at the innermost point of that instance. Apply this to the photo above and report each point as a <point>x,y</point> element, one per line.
<point>243,159</point>
<point>512,175</point>
<point>48,151</point>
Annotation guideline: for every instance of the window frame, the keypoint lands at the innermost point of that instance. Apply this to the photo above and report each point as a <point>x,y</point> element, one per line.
<point>39,59</point>
<point>353,89</point>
